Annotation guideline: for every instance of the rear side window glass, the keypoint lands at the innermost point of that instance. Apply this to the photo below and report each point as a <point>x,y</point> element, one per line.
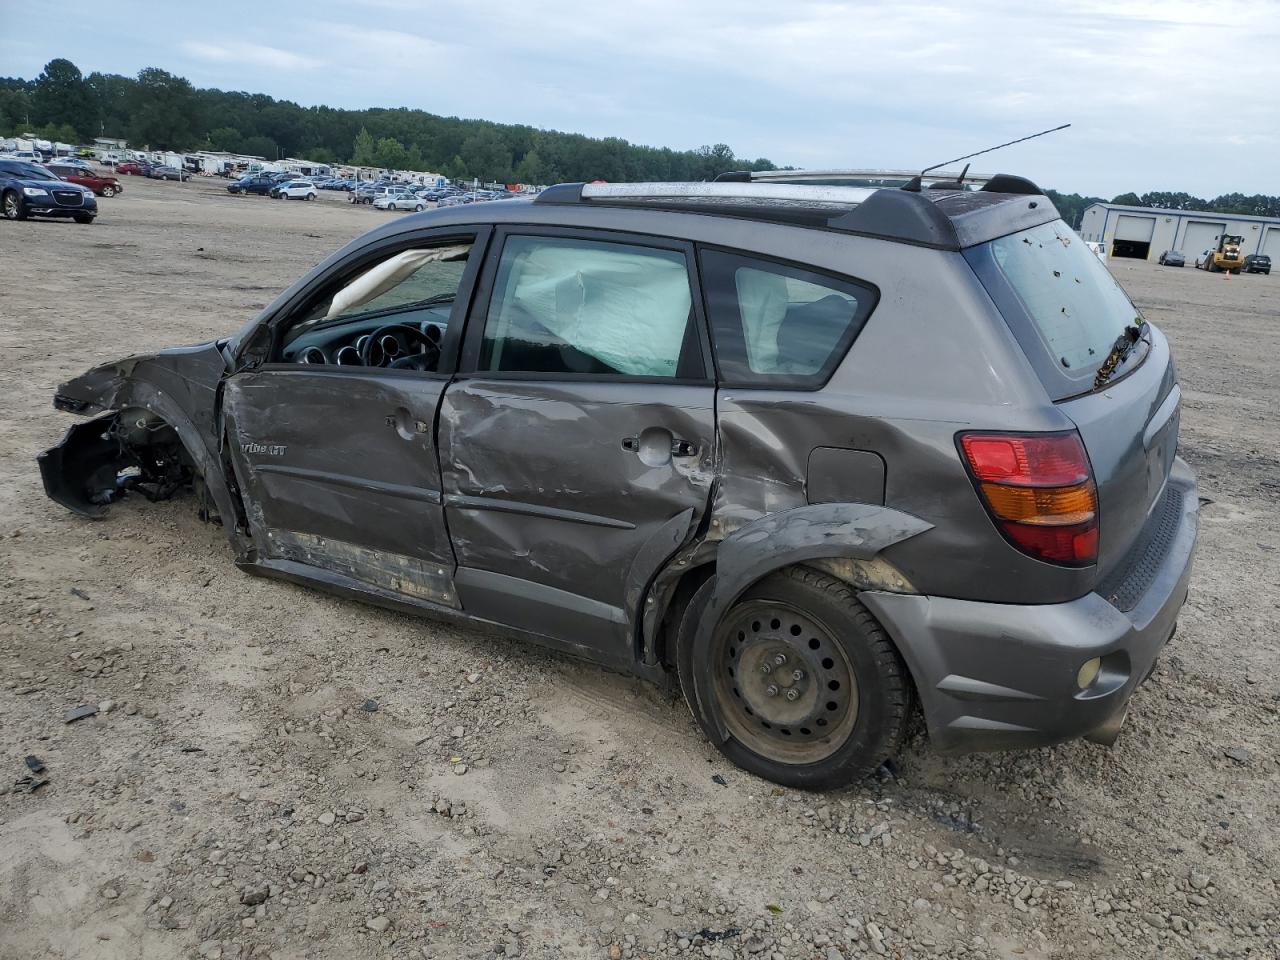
<point>779,325</point>
<point>576,306</point>
<point>1073,300</point>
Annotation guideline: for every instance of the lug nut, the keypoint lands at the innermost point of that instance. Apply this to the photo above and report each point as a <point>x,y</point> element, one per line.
<point>765,668</point>
<point>797,675</point>
<point>771,690</point>
<point>780,659</point>
<point>793,694</point>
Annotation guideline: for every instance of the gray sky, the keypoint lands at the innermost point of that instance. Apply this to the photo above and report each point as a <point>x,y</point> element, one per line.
<point>1174,95</point>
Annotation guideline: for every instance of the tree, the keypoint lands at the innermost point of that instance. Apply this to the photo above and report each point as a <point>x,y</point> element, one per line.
<point>362,149</point>
<point>226,138</point>
<point>111,93</point>
<point>15,109</point>
<point>163,109</point>
<point>486,155</point>
<point>1128,200</point>
<point>260,146</point>
<point>391,154</point>
<point>531,169</point>
<point>62,97</point>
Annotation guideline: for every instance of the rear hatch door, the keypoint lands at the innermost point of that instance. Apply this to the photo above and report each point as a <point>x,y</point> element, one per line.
<point>1067,312</point>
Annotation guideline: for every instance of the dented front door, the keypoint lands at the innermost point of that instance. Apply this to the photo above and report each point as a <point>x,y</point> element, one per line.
<point>340,473</point>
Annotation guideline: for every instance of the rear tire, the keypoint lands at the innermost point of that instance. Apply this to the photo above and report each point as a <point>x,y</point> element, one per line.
<point>852,692</point>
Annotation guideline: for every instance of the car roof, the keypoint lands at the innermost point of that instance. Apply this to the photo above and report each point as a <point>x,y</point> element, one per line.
<point>944,215</point>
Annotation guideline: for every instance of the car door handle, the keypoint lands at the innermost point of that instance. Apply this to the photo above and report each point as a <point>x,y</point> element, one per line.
<point>679,448</point>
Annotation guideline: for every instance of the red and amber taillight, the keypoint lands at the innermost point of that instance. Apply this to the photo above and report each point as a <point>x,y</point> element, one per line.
<point>1039,489</point>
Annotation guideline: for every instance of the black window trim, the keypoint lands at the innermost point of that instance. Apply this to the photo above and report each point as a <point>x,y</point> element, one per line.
<point>813,382</point>
<point>479,235</point>
<point>468,365</point>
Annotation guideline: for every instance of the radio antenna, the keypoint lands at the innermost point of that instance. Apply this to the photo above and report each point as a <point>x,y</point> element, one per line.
<point>915,182</point>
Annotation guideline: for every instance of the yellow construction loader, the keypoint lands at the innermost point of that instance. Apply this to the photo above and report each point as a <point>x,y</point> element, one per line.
<point>1227,256</point>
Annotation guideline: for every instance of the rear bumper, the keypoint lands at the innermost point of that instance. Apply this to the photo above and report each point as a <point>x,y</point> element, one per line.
<point>996,676</point>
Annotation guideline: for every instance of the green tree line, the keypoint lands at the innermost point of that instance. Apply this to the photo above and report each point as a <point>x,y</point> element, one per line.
<point>160,110</point>
<point>157,109</point>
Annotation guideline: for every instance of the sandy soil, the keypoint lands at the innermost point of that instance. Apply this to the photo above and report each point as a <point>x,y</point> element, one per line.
<point>237,801</point>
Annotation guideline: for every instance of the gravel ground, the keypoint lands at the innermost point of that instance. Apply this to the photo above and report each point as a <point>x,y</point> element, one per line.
<point>275,773</point>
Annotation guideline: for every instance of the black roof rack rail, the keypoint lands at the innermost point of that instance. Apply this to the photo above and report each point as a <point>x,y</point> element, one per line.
<point>1009,183</point>
<point>941,219</point>
<point>900,215</point>
<point>734,176</point>
<point>561,193</point>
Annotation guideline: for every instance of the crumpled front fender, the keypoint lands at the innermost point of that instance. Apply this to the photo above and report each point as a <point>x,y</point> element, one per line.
<point>179,386</point>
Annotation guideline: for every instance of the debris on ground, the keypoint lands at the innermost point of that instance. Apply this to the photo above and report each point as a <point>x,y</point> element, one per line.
<point>79,713</point>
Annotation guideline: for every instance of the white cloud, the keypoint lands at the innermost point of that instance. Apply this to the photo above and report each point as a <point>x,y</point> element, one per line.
<point>811,82</point>
<point>251,54</point>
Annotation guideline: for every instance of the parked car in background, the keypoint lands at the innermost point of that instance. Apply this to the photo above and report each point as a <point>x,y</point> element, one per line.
<point>103,185</point>
<point>370,192</point>
<point>713,433</point>
<point>29,190</point>
<point>294,190</point>
<point>1257,263</point>
<point>403,200</point>
<point>132,168</point>
<point>168,173</point>
<point>1172,258</point>
<point>259,183</point>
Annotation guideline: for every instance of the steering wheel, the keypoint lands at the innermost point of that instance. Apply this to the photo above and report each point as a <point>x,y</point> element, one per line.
<point>427,359</point>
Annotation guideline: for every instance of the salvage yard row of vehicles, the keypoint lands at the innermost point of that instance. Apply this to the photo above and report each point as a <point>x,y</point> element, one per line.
<point>380,194</point>
<point>673,428</point>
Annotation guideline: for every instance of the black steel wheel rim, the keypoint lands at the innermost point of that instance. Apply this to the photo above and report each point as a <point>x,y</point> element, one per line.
<point>784,685</point>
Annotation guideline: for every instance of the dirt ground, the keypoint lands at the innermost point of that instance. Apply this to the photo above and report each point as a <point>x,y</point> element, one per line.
<point>235,799</point>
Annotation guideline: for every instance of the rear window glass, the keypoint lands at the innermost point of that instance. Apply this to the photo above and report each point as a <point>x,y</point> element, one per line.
<point>1074,302</point>
<point>774,324</point>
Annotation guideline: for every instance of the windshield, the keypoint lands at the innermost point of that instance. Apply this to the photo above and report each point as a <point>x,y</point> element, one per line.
<point>29,171</point>
<point>1072,299</point>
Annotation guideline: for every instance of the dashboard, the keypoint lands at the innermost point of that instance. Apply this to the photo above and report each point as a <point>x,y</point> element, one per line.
<point>341,344</point>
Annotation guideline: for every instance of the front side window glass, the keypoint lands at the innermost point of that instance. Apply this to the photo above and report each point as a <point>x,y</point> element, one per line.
<point>565,305</point>
<point>413,286</point>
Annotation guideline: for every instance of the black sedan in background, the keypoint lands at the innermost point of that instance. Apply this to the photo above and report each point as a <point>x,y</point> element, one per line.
<point>1172,258</point>
<point>1257,263</point>
<point>168,173</point>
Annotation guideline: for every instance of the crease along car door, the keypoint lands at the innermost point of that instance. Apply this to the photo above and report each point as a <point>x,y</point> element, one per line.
<point>578,447</point>
<point>337,463</point>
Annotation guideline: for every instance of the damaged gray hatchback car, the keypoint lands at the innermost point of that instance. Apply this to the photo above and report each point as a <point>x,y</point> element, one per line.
<point>821,452</point>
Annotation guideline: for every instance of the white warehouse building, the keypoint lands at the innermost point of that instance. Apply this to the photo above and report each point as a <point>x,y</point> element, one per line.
<point>1146,232</point>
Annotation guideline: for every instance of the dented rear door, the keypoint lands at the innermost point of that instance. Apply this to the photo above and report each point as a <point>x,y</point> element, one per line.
<point>578,444</point>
